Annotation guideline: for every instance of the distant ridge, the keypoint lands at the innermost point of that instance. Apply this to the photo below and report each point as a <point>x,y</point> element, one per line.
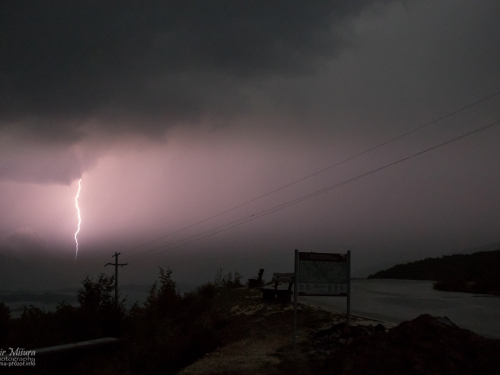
<point>476,273</point>
<point>489,247</point>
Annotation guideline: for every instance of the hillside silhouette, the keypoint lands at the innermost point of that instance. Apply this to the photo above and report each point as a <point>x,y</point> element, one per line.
<point>473,273</point>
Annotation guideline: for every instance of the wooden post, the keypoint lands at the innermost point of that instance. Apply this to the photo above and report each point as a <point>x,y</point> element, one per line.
<point>295,296</point>
<point>116,274</point>
<point>259,278</point>
<point>348,287</point>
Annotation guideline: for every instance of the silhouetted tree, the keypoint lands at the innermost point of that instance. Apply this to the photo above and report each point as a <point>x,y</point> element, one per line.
<point>98,310</point>
<point>164,299</point>
<point>4,321</point>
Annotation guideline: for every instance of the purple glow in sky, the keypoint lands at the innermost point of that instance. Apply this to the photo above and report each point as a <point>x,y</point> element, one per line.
<point>179,115</point>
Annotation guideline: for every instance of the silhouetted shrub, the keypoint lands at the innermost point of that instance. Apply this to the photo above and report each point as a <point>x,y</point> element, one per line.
<point>4,322</point>
<point>98,313</point>
<point>166,333</point>
<point>227,281</point>
<point>165,299</point>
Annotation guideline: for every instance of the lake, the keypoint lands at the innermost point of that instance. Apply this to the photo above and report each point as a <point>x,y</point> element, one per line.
<point>400,300</point>
<point>386,300</point>
<point>49,300</point>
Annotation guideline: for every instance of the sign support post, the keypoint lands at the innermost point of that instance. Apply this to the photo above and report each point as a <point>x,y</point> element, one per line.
<point>323,274</point>
<point>295,296</point>
<point>348,287</point>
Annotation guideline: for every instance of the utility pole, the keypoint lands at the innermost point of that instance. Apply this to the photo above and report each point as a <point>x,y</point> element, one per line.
<point>116,273</point>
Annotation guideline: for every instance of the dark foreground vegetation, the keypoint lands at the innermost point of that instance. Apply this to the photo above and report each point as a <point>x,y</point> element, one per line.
<point>474,273</point>
<point>226,330</point>
<point>166,333</point>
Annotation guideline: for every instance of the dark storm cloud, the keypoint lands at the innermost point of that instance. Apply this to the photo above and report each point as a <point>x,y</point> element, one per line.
<point>72,59</point>
<point>75,71</point>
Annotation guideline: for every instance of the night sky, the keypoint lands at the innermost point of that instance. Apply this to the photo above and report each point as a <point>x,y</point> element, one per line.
<point>178,115</point>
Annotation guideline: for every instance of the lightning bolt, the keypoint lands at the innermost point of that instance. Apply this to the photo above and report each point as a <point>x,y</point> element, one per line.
<point>79,217</point>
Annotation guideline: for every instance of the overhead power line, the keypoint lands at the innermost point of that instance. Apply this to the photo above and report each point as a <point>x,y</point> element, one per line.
<point>320,171</point>
<point>268,211</point>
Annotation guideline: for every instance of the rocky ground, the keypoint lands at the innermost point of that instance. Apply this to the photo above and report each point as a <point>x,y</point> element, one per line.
<point>258,340</point>
<point>425,345</point>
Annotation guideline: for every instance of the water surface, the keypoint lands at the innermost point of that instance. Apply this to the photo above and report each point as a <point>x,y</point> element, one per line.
<point>400,300</point>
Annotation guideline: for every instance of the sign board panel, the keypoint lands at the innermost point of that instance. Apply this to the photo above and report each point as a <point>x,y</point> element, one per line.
<point>323,274</point>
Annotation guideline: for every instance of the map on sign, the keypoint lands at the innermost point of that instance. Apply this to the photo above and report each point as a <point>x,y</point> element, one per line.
<point>323,274</point>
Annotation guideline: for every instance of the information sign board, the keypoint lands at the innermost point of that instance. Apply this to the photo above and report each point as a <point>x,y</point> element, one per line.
<point>323,274</point>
